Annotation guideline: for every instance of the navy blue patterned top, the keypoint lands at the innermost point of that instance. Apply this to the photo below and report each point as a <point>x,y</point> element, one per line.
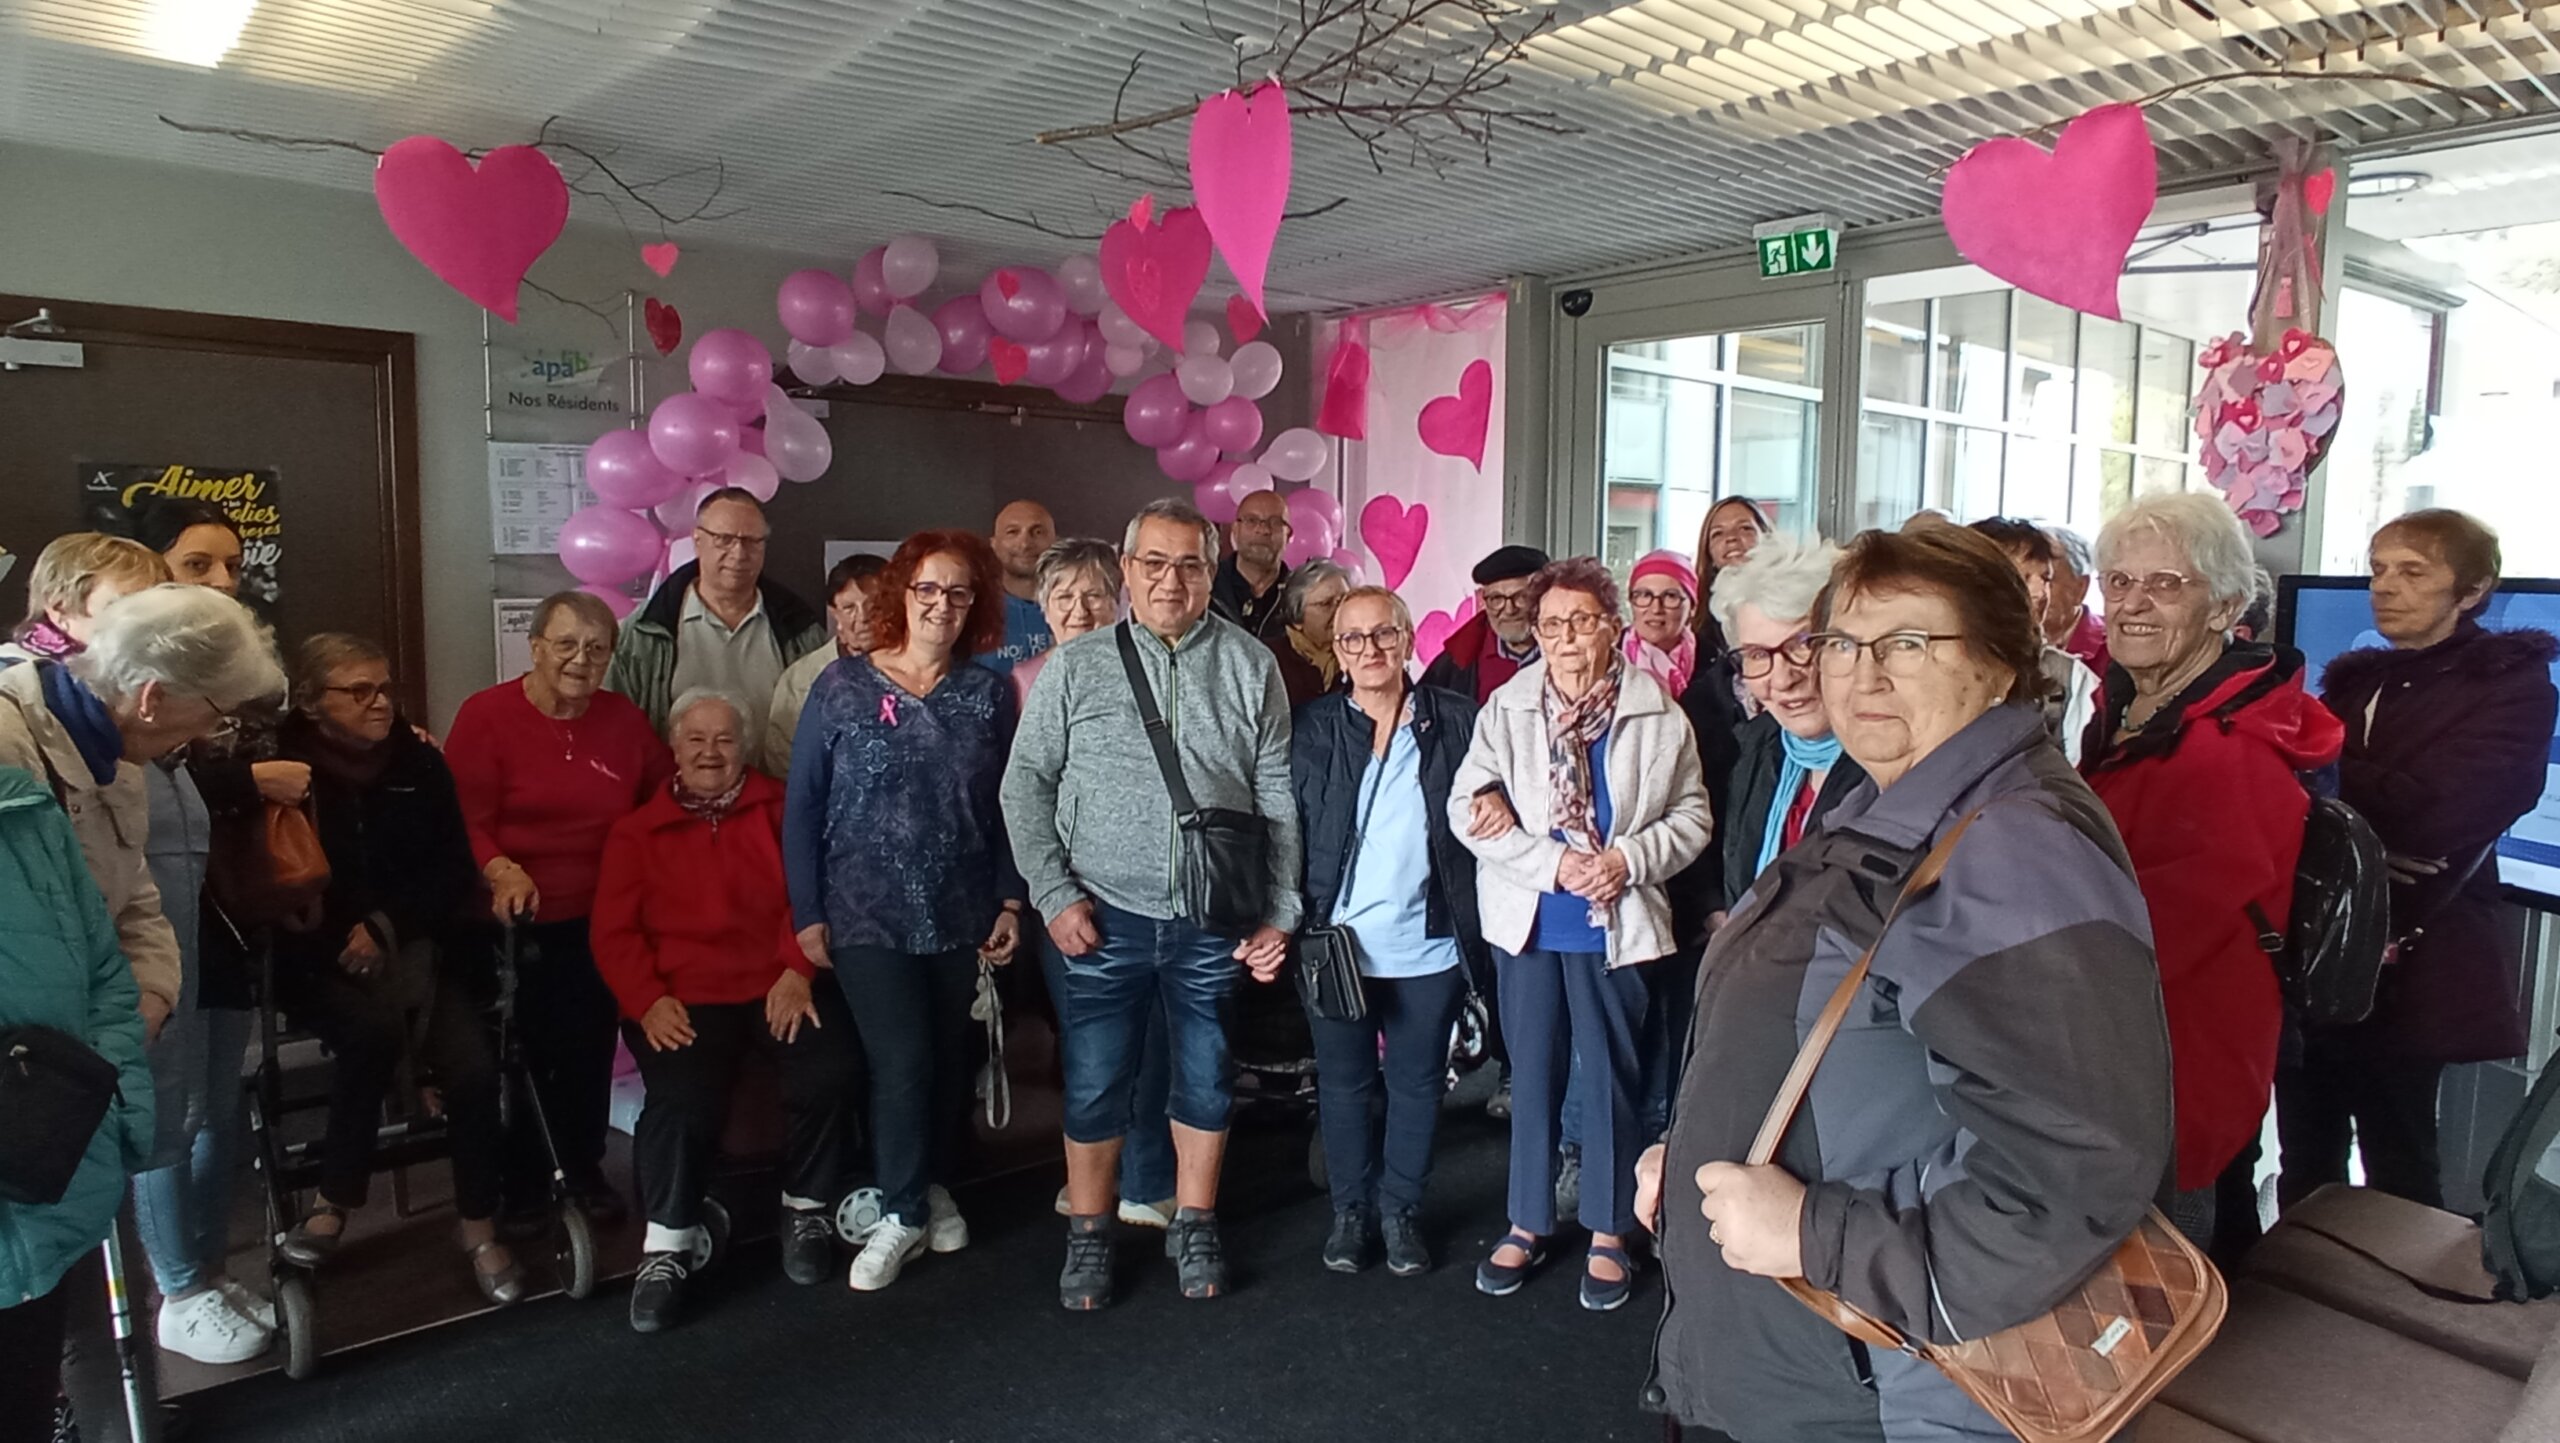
<point>891,834</point>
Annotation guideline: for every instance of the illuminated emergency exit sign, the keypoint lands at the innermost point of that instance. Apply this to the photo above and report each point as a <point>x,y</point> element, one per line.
<point>1798,252</point>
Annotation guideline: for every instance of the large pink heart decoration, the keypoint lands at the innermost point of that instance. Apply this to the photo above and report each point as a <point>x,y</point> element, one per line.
<point>1345,409</point>
<point>1431,634</point>
<point>1240,178</point>
<point>2266,419</point>
<point>1155,272</point>
<point>479,229</point>
<point>1456,425</point>
<point>2057,224</point>
<point>1394,533</point>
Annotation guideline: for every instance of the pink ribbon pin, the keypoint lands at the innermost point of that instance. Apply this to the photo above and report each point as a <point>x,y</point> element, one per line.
<point>888,711</point>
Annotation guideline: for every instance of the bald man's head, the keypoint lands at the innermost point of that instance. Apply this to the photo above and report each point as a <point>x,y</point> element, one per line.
<point>1023,530</point>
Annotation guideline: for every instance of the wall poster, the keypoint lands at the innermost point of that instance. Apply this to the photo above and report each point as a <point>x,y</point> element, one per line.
<point>111,492</point>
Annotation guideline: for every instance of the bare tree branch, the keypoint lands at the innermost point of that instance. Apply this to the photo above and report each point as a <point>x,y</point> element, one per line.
<point>1029,221</point>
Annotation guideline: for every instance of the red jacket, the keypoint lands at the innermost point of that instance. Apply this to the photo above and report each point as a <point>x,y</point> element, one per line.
<point>690,912</point>
<point>2210,804</point>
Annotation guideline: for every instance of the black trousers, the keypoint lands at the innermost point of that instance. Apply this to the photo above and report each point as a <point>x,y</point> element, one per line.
<point>566,1017</point>
<point>367,1032</point>
<point>680,1124</point>
<point>913,1014</point>
<point>2329,1103</point>
<point>31,1365</point>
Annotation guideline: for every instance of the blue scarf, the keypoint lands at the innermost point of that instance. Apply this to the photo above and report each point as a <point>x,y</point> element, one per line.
<point>85,717</point>
<point>1804,758</point>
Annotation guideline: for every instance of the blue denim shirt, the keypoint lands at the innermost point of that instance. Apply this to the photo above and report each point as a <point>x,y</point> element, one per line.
<point>891,834</point>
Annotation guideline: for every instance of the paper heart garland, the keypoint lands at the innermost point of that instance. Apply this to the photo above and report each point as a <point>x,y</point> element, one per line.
<point>2266,419</point>
<point>1240,178</point>
<point>1010,359</point>
<point>1155,272</point>
<point>666,328</point>
<point>1456,425</point>
<point>479,229</point>
<point>660,257</point>
<point>2057,224</point>
<point>1243,320</point>
<point>1394,533</point>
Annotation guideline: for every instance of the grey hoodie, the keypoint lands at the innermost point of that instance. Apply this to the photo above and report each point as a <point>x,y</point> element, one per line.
<point>1084,801</point>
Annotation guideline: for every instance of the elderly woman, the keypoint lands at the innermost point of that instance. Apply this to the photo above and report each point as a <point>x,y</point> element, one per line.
<point>1994,1119</point>
<point>1373,772</point>
<point>2071,689</point>
<point>371,973</point>
<point>75,577</point>
<point>1079,586</point>
<point>545,765</point>
<point>901,879</point>
<point>2448,735</point>
<point>2196,753</point>
<point>1580,795</point>
<point>1790,771</point>
<point>692,930</point>
<point>1304,647</point>
<point>849,603</point>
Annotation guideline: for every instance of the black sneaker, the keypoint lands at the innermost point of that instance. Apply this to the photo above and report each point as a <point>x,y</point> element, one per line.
<point>1085,1283</point>
<point>657,1290</point>
<point>1200,1259</point>
<point>1346,1249</point>
<point>808,1245</point>
<point>1407,1255</point>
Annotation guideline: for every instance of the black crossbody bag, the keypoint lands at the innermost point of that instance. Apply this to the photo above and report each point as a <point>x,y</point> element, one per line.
<point>1224,865</point>
<point>54,1091</point>
<point>1328,956</point>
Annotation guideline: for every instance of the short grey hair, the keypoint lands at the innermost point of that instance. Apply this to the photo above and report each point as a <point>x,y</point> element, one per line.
<point>694,696</point>
<point>1069,555</point>
<point>1293,593</point>
<point>586,606</point>
<point>192,640</point>
<point>1783,576</point>
<point>2203,526</point>
<point>1173,508</point>
<point>2072,550</point>
<point>1395,604</point>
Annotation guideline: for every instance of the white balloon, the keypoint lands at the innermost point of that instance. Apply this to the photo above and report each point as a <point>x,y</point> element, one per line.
<point>860,360</point>
<point>1117,328</point>
<point>1206,380</point>
<point>1297,454</point>
<point>1247,478</point>
<point>1199,338</point>
<point>909,265</point>
<point>811,363</point>
<point>794,441</point>
<point>1257,368</point>
<point>1123,360</point>
<point>1080,276</point>
<point>913,341</point>
<point>756,475</point>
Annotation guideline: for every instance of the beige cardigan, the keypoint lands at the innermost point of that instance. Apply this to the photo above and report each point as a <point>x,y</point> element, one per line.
<point>112,823</point>
<point>1659,818</point>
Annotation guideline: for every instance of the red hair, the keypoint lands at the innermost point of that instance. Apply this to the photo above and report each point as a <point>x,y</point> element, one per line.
<point>982,631</point>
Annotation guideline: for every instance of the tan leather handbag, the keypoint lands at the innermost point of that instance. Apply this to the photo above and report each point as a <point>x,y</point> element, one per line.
<point>2078,1373</point>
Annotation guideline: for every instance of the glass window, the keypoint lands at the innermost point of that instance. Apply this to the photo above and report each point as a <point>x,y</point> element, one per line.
<point>2043,365</point>
<point>1788,354</point>
<point>1897,353</point>
<point>1973,354</point>
<point>2108,350</point>
<point>2167,386</point>
<point>1773,450</point>
<point>2037,482</point>
<point>2159,477</point>
<point>1696,418</point>
<point>1889,459</point>
<point>1965,470</point>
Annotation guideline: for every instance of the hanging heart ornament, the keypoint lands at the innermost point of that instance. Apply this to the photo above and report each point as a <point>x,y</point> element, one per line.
<point>2266,419</point>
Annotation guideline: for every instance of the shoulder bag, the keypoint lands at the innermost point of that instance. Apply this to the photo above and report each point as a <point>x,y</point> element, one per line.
<point>2078,1373</point>
<point>54,1091</point>
<point>1328,956</point>
<point>269,868</point>
<point>1223,869</point>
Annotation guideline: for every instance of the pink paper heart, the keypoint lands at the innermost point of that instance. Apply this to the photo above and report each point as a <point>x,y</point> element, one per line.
<point>1243,319</point>
<point>1240,178</point>
<point>1142,211</point>
<point>1155,273</point>
<point>660,257</point>
<point>478,229</point>
<point>1456,425</point>
<point>2058,224</point>
<point>1431,636</point>
<point>1394,534</point>
<point>666,328</point>
<point>1009,284</point>
<point>1345,411</point>
<point>2319,189</point>
<point>1010,359</point>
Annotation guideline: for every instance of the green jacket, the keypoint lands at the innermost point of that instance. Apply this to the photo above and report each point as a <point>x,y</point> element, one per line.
<point>644,660</point>
<point>60,968</point>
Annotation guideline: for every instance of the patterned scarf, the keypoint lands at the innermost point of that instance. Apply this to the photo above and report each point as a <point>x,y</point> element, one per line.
<point>1672,668</point>
<point>713,808</point>
<point>1327,665</point>
<point>41,638</point>
<point>1572,728</point>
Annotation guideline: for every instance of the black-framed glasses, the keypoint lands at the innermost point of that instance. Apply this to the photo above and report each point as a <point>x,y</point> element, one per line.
<point>1491,600</point>
<point>931,592</point>
<point>710,540</point>
<point>1263,523</point>
<point>226,724</point>
<point>2164,587</point>
<point>363,693</point>
<point>1754,662</point>
<point>1355,643</point>
<point>1648,600</point>
<point>1580,623</point>
<point>1897,653</point>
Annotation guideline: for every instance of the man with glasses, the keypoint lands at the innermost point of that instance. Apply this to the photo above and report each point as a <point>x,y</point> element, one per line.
<point>717,624</point>
<point>1096,837</point>
<point>2071,689</point>
<point>1247,591</point>
<point>1497,641</point>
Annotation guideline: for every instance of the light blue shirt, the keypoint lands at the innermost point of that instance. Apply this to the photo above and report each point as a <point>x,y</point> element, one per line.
<point>1026,635</point>
<point>1387,905</point>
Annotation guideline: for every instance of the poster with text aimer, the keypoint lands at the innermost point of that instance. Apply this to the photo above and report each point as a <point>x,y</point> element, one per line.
<point>111,493</point>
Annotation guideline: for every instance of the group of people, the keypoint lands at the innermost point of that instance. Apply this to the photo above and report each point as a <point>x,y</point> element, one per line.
<point>1647,827</point>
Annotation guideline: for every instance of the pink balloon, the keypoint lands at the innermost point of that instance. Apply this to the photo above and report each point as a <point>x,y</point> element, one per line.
<point>624,472</point>
<point>1235,424</point>
<point>1023,303</point>
<point>870,290</point>
<point>751,437</point>
<point>607,546</point>
<point>692,433</point>
<point>1091,379</point>
<point>1304,547</point>
<point>1053,359</point>
<point>616,600</point>
<point>676,512</point>
<point>1349,560</point>
<point>912,340</point>
<point>730,365</point>
<point>963,324</point>
<point>816,307</point>
<point>1156,414</point>
<point>1213,500</point>
<point>754,475</point>
<point>1189,459</point>
<point>1314,507</point>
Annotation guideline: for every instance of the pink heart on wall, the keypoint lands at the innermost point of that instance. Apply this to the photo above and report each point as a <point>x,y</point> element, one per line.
<point>1456,425</point>
<point>1240,178</point>
<point>479,229</point>
<point>660,257</point>
<point>2057,224</point>
<point>1431,634</point>
<point>1394,533</point>
<point>1345,410</point>
<point>1156,272</point>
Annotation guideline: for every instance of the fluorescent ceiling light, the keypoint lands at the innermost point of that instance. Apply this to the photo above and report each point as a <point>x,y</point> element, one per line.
<point>194,32</point>
<point>2373,185</point>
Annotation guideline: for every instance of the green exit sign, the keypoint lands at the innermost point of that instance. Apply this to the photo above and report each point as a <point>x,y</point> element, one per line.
<point>1797,253</point>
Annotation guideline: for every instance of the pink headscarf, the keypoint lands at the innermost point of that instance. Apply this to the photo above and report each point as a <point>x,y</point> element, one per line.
<point>1672,668</point>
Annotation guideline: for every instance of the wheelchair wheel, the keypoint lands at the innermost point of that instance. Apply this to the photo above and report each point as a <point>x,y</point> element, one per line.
<point>299,1320</point>
<point>858,1215</point>
<point>1317,1172</point>
<point>717,1222</point>
<point>573,1252</point>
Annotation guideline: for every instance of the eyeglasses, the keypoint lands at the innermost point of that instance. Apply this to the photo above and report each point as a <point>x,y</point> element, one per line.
<point>363,693</point>
<point>2161,586</point>
<point>706,539</point>
<point>226,725</point>
<point>1656,600</point>
<point>1755,661</point>
<point>1580,623</point>
<point>1354,643</point>
<point>1899,653</point>
<point>931,592</point>
<point>1262,523</point>
<point>1152,567</point>
<point>569,648</point>
<point>1504,600</point>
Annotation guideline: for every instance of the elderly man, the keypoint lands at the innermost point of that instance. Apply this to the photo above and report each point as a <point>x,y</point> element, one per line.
<point>2071,689</point>
<point>717,624</point>
<point>1022,532</point>
<point>1095,834</point>
<point>849,607</point>
<point>1247,591</point>
<point>1498,640</point>
<point>2068,622</point>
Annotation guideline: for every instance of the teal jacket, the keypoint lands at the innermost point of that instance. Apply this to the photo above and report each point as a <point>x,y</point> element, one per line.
<point>60,967</point>
<point>644,659</point>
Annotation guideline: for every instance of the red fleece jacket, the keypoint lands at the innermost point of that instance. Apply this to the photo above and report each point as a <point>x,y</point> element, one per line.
<point>688,912</point>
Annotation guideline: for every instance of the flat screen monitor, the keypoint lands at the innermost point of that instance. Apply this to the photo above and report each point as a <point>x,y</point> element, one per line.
<point>2325,615</point>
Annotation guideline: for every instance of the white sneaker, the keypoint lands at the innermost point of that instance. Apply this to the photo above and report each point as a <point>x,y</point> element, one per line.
<point>946,1230</point>
<point>1157,1215</point>
<point>892,1244</point>
<point>246,1302</point>
<point>205,1328</point>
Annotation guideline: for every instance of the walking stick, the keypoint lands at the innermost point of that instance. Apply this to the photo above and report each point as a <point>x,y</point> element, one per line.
<point>141,1412</point>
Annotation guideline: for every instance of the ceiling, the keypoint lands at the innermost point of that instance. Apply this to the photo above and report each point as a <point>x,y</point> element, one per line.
<point>1689,120</point>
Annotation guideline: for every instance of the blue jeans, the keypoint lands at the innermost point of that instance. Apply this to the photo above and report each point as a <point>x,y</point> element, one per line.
<point>1413,1015</point>
<point>1146,1157</point>
<point>1561,1003</point>
<point>182,1210</point>
<point>1146,965</point>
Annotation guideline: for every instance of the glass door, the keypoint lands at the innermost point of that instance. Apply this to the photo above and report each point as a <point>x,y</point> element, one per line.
<point>1693,419</point>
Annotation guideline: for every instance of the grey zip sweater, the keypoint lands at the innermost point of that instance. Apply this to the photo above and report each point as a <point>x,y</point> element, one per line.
<point>1084,802</point>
